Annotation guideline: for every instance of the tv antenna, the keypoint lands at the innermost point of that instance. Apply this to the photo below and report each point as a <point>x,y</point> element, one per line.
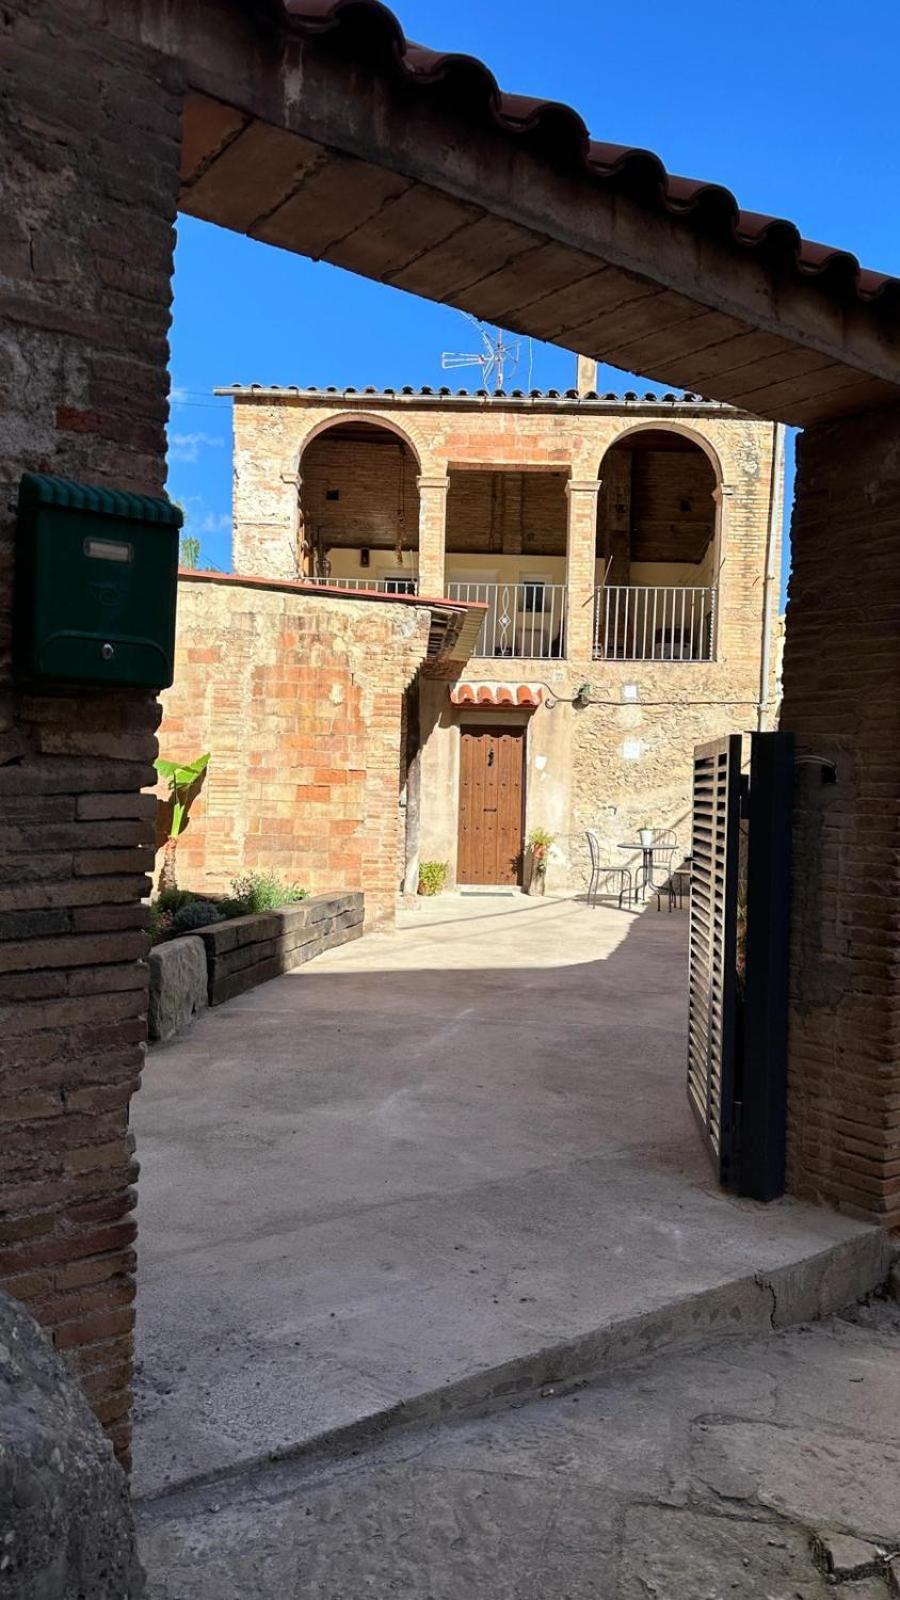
<point>498,359</point>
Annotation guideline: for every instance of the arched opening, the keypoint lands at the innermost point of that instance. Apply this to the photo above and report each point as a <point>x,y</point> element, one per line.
<point>359,509</point>
<point>506,549</point>
<point>657,549</point>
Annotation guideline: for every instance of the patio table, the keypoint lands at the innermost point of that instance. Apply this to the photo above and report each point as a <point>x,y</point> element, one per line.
<point>646,867</point>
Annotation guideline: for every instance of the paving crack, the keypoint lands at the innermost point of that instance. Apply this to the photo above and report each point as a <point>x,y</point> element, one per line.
<point>768,1287</point>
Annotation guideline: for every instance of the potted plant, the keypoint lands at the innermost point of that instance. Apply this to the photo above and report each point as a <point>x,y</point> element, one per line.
<point>539,842</point>
<point>432,877</point>
<point>646,836</point>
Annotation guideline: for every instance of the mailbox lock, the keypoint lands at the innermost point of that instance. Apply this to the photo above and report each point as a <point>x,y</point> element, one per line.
<point>107,651</point>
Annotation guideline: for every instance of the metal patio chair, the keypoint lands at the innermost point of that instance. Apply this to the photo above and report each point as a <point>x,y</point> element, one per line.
<point>664,873</point>
<point>601,870</point>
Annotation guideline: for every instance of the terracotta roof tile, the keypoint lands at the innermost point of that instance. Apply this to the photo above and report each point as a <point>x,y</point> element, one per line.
<point>564,398</point>
<point>712,208</point>
<point>521,697</point>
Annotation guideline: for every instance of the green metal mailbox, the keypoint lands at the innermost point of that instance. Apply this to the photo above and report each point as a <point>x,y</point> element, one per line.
<point>96,574</point>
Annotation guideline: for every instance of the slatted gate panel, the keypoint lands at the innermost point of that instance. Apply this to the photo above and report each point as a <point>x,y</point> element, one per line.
<point>713,935</point>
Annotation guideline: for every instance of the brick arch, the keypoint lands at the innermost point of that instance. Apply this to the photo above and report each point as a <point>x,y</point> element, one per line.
<point>370,510</point>
<point>660,425</point>
<point>715,524</point>
<point>339,418</point>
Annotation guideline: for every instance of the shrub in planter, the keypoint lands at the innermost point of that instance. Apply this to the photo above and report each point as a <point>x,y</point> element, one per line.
<point>261,891</point>
<point>229,907</point>
<point>172,900</point>
<point>160,925</point>
<point>432,876</point>
<point>196,914</point>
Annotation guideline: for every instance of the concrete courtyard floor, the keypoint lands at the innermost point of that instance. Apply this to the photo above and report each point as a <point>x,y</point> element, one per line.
<point>436,1169</point>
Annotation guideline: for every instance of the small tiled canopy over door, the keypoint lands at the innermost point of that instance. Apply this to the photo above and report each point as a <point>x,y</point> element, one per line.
<point>491,805</point>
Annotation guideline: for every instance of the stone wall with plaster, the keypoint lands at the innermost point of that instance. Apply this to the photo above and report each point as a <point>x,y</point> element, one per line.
<point>613,765</point>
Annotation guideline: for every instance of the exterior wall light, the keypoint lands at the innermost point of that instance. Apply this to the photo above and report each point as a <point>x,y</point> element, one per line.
<point>630,691</point>
<point>632,749</point>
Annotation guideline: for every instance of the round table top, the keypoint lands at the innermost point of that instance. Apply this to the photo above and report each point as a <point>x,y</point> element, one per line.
<point>635,844</point>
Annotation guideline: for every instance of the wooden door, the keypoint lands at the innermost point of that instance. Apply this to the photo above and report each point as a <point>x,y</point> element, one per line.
<point>491,805</point>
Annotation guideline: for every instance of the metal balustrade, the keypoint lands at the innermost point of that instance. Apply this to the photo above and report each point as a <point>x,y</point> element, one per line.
<point>522,619</point>
<point>632,623</point>
<point>403,585</point>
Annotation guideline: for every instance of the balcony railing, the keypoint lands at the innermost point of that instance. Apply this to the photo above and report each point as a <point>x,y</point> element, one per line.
<point>632,623</point>
<point>522,619</point>
<point>404,585</point>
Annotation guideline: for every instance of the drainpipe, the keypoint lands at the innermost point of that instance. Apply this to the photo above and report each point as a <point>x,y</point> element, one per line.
<point>771,576</point>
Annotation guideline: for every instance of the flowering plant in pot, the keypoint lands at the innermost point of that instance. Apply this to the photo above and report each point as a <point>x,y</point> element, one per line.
<point>539,842</point>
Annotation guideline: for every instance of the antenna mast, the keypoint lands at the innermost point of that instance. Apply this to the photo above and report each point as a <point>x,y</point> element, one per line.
<point>499,357</point>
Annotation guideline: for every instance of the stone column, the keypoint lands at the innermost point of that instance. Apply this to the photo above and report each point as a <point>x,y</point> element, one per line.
<point>432,533</point>
<point>737,623</point>
<point>266,509</point>
<point>580,559</point>
<point>842,703</point>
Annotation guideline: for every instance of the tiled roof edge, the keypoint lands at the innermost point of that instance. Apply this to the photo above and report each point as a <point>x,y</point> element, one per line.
<point>558,127</point>
<point>442,396</point>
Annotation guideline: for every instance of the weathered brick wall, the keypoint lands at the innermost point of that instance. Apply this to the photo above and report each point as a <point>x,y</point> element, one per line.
<point>841,676</point>
<point>298,699</point>
<point>89,146</point>
<point>671,505</point>
<point>511,512</point>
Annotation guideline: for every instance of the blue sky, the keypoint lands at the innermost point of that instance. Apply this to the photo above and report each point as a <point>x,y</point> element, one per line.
<point>793,106</point>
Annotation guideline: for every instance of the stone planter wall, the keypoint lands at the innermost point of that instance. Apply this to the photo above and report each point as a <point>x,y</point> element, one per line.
<point>219,962</point>
<point>179,984</point>
<point>249,950</point>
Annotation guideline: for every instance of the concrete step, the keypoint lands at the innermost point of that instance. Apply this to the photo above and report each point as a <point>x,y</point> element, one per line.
<point>802,1290</point>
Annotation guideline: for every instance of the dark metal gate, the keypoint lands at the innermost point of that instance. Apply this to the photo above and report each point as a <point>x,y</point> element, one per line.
<point>737,987</point>
<point>713,973</point>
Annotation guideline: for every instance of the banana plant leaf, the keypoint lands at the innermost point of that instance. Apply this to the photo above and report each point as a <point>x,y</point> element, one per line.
<point>182,777</point>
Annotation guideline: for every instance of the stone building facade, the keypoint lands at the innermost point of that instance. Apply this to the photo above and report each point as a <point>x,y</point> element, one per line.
<point>628,545</point>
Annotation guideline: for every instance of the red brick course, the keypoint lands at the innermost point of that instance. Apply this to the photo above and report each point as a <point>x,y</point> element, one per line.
<point>842,668</point>
<point>303,724</point>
